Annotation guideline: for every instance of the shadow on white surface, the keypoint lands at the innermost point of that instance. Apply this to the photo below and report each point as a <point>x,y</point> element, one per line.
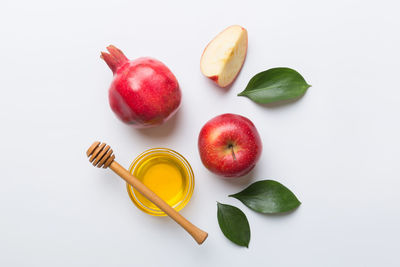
<point>234,185</point>
<point>163,131</point>
<point>221,90</point>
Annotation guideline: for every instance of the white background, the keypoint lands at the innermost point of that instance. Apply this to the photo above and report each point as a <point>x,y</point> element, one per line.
<point>337,148</point>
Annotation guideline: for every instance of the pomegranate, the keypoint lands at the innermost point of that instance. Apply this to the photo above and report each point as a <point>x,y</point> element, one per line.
<point>144,92</point>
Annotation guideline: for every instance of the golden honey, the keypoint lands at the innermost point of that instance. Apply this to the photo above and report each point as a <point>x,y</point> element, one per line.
<point>166,173</point>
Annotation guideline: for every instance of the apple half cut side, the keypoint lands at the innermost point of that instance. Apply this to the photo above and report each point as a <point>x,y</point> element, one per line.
<point>224,56</point>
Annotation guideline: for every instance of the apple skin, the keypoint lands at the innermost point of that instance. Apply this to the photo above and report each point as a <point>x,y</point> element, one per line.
<point>229,145</point>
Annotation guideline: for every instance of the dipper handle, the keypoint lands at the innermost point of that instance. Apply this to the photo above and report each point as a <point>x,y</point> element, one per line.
<point>101,155</point>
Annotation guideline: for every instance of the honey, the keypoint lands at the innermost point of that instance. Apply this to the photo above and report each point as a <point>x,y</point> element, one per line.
<point>166,173</point>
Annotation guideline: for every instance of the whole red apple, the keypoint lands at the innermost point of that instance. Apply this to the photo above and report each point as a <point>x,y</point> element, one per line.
<point>229,145</point>
<point>144,92</point>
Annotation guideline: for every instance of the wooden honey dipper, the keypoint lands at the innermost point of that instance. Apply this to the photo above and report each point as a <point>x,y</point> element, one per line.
<point>101,155</point>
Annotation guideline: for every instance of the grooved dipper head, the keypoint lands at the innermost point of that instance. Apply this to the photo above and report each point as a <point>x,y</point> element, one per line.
<point>100,154</point>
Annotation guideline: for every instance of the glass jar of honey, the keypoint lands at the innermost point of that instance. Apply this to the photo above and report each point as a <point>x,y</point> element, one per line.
<point>168,174</point>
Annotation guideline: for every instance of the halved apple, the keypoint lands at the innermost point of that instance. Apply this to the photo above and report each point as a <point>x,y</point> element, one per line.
<point>224,56</point>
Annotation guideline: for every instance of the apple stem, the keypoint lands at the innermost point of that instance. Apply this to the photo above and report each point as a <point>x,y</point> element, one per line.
<point>115,58</point>
<point>233,151</point>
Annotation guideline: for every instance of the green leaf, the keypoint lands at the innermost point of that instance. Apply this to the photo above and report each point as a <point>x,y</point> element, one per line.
<point>234,224</point>
<point>268,196</point>
<point>275,85</point>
